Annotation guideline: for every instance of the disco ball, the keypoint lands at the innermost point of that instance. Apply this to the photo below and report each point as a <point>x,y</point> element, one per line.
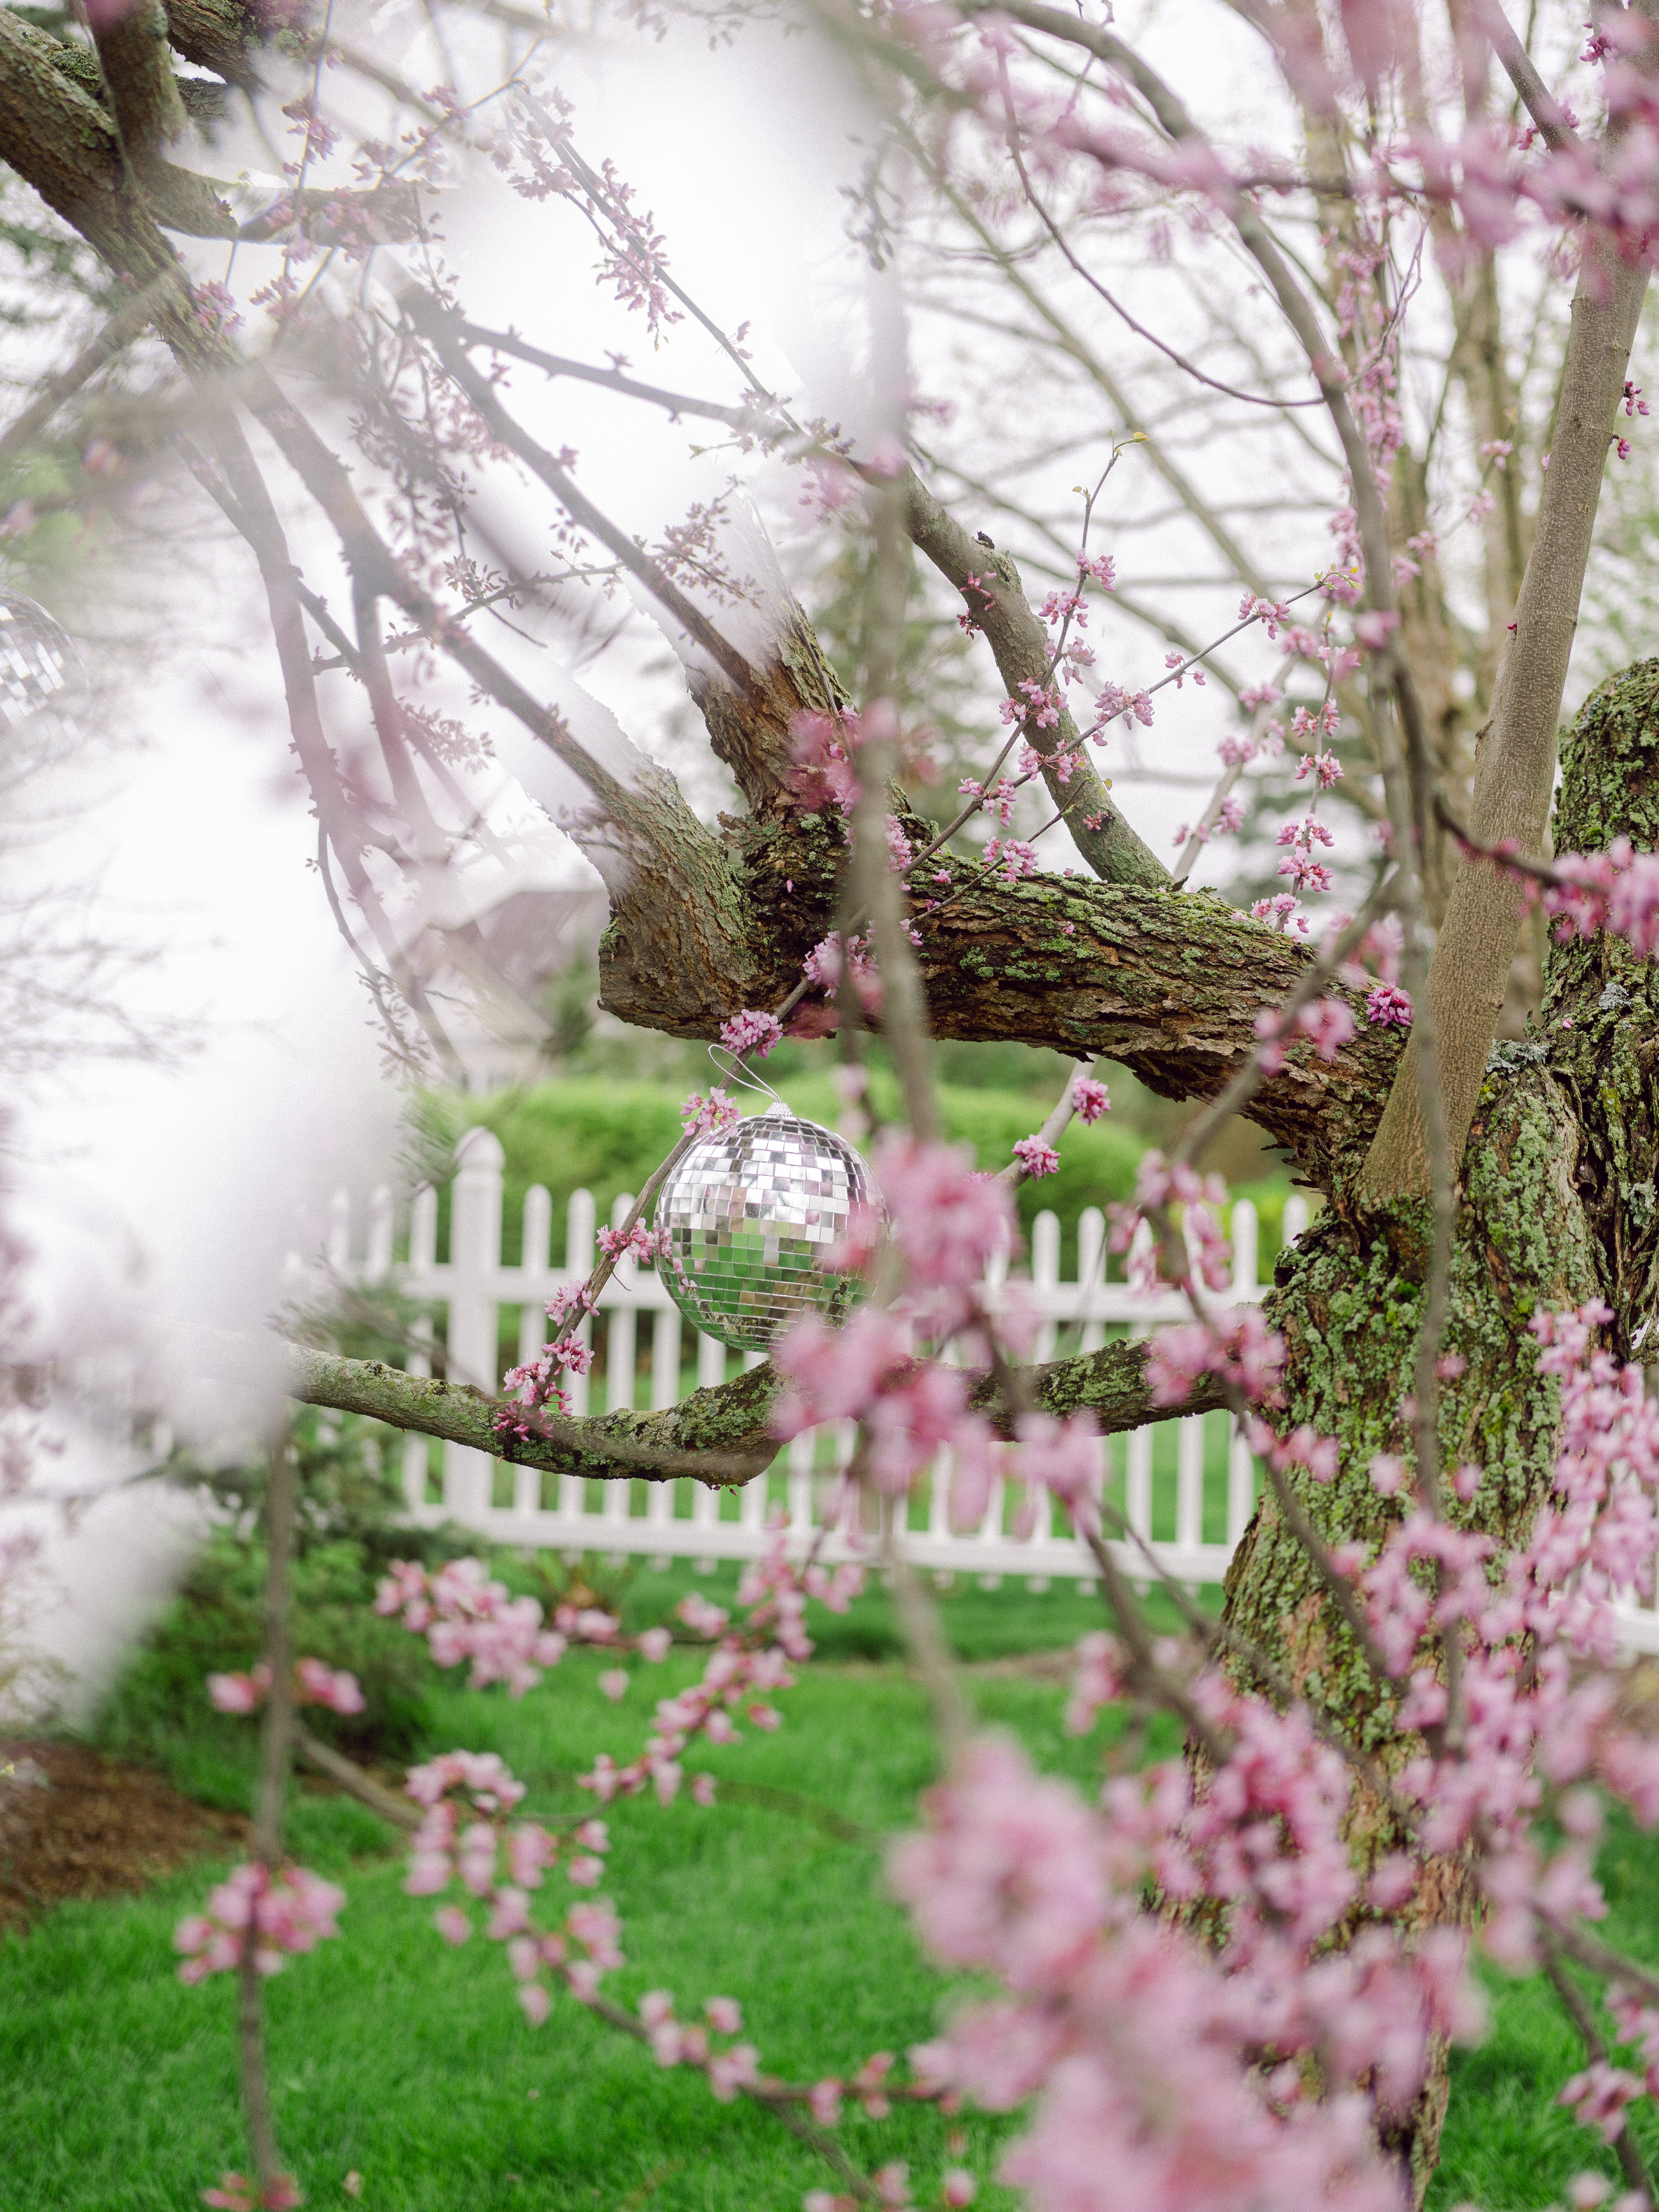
<point>751,1217</point>
<point>40,668</point>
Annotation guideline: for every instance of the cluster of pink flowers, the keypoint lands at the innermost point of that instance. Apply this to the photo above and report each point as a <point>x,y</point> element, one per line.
<point>1324,767</point>
<point>1112,702</point>
<point>1011,858</point>
<point>948,1224</point>
<point>1236,1345</point>
<point>469,1835</point>
<point>998,800</point>
<point>465,1614</point>
<point>1387,1004</point>
<point>1141,2044</point>
<point>236,2193</point>
<point>1159,1184</point>
<point>314,1684</point>
<point>1039,707</point>
<point>675,2042</point>
<point>1036,1156</point>
<point>822,750</point>
<point>1617,890</point>
<point>708,1117</point>
<point>1089,1097</point>
<point>282,1913</point>
<point>823,968</point>
<point>751,1031</point>
<point>640,1241</point>
<point>539,1382</point>
<point>1298,863</point>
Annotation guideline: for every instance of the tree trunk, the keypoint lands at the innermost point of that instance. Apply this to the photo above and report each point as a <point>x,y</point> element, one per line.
<point>1557,1205</point>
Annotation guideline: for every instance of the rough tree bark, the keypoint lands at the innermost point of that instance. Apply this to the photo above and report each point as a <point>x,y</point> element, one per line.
<point>1556,1204</point>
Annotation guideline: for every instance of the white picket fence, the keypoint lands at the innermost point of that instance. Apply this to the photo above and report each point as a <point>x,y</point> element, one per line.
<point>1186,1486</point>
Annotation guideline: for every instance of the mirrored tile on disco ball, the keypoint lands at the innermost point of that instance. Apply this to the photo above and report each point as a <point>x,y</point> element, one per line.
<point>38,664</point>
<point>752,1216</point>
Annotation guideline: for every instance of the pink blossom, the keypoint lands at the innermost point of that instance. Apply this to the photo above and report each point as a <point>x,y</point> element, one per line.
<point>1329,1024</point>
<point>1324,766</point>
<point>708,1117</point>
<point>1010,858</point>
<point>1599,2095</point>
<point>451,1923</point>
<point>465,1614</point>
<point>1036,1156</point>
<point>1243,1351</point>
<point>614,1683</point>
<point>1388,1005</point>
<point>1280,913</point>
<point>823,751</point>
<point>238,1693</point>
<point>824,2103</point>
<point>750,1032</point>
<point>289,1912</point>
<point>324,1685</point>
<point>1089,1097</point>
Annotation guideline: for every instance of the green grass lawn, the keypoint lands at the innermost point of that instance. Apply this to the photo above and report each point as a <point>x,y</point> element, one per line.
<point>410,2063</point>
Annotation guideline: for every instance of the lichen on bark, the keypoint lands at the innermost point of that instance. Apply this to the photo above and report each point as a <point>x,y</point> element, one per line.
<point>1555,1206</point>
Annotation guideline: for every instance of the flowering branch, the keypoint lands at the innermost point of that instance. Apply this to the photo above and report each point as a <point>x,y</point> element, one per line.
<point>1632,2164</point>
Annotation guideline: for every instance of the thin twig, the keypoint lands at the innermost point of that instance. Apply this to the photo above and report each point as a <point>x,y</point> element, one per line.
<point>612,380</point>
<point>275,1753</point>
<point>349,1776</point>
<point>1050,1133</point>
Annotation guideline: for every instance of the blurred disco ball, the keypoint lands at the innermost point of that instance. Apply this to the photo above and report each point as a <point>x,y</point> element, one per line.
<point>751,1216</point>
<point>40,668</point>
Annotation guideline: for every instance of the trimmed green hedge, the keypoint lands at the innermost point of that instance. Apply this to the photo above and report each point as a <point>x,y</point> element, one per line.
<point>607,1137</point>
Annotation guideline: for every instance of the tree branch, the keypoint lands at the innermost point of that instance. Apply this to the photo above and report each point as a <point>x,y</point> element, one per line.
<point>611,380</point>
<point>1023,653</point>
<point>1632,2164</point>
<point>218,35</point>
<point>1515,766</point>
<point>718,1436</point>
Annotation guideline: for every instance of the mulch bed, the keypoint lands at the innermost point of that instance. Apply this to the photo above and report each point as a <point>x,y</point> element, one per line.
<point>75,1823</point>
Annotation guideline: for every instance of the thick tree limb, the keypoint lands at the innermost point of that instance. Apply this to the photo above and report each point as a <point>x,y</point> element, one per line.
<point>132,48</point>
<point>1167,984</point>
<point>61,141</point>
<point>217,35</point>
<point>1515,766</point>
<point>718,1436</point>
